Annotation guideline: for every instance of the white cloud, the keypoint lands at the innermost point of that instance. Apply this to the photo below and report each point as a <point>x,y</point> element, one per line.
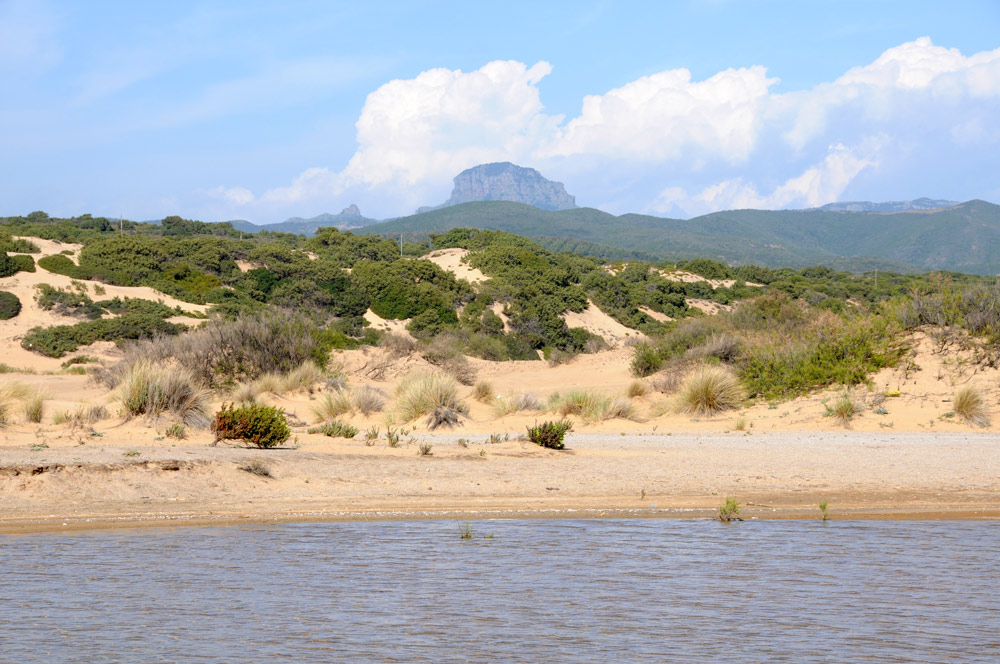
<point>237,195</point>
<point>659,117</point>
<point>444,121</point>
<point>725,137</point>
<point>819,184</point>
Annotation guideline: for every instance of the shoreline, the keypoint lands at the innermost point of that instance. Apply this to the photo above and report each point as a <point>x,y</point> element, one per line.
<point>116,484</point>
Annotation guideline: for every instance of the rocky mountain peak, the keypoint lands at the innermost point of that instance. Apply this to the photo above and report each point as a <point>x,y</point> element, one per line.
<point>504,181</point>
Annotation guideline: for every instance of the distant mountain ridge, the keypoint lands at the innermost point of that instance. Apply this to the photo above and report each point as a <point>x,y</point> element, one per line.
<point>349,218</point>
<point>889,206</point>
<point>963,237</point>
<point>504,181</point>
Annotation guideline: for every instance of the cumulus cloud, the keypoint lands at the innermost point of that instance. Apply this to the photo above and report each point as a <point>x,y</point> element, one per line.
<point>729,137</point>
<point>659,117</point>
<point>819,184</point>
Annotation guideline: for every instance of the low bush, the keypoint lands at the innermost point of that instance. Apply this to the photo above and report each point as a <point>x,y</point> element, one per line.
<point>709,390</point>
<point>336,429</point>
<point>256,425</point>
<point>419,394</point>
<point>843,408</point>
<point>646,360</point>
<point>550,434</point>
<point>58,340</point>
<point>60,264</point>
<point>637,388</point>
<point>10,306</point>
<point>23,263</point>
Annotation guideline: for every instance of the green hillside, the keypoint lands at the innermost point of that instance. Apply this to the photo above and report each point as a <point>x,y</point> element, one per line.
<point>963,238</point>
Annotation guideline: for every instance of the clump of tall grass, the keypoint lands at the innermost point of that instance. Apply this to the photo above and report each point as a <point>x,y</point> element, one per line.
<point>34,406</point>
<point>334,404</point>
<point>483,392</point>
<point>515,403</point>
<point>637,388</point>
<point>82,415</point>
<point>843,408</point>
<point>302,377</point>
<point>152,390</point>
<point>591,405</point>
<point>446,351</point>
<point>336,429</point>
<point>969,404</point>
<point>368,400</point>
<point>709,390</point>
<point>420,394</point>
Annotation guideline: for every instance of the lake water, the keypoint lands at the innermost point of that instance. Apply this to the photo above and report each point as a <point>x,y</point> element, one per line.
<point>537,591</point>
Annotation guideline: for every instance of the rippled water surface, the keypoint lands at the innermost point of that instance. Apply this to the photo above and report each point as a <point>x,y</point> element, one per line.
<point>538,590</point>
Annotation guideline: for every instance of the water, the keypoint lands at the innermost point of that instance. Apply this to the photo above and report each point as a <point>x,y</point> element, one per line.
<point>539,590</point>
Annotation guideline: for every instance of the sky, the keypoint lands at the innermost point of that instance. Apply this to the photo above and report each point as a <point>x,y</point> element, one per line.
<point>267,110</point>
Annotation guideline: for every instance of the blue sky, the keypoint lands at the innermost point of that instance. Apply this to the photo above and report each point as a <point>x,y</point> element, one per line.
<point>263,111</point>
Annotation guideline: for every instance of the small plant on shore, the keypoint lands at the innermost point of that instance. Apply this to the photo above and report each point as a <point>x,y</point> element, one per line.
<point>176,430</point>
<point>336,429</point>
<point>257,467</point>
<point>371,435</point>
<point>498,438</point>
<point>550,434</point>
<point>424,449</point>
<point>256,425</point>
<point>132,453</point>
<point>466,531</point>
<point>392,435</point>
<point>730,511</point>
<point>147,389</point>
<point>823,510</point>
<point>969,404</point>
<point>740,424</point>
<point>709,390</point>
<point>462,442</point>
<point>842,408</point>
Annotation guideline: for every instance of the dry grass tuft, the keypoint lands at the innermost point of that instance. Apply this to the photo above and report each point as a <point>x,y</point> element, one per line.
<point>303,377</point>
<point>637,388</point>
<point>34,406</point>
<point>152,390</point>
<point>709,390</point>
<point>843,408</point>
<point>969,404</point>
<point>368,400</point>
<point>257,467</point>
<point>334,404</point>
<point>483,392</point>
<point>515,403</point>
<point>419,394</point>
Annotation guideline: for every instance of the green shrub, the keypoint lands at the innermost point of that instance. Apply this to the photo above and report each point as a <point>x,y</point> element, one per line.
<point>550,434</point>
<point>23,263</point>
<point>61,339</point>
<point>10,306</point>
<point>646,360</point>
<point>336,429</point>
<point>256,425</point>
<point>60,264</point>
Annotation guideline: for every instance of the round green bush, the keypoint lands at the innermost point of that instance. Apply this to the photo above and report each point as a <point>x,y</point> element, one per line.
<point>257,425</point>
<point>10,306</point>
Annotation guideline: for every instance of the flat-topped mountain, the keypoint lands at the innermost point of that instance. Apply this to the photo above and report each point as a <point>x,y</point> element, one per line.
<point>504,181</point>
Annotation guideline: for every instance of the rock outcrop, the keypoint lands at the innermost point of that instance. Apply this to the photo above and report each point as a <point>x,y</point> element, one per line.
<point>504,181</point>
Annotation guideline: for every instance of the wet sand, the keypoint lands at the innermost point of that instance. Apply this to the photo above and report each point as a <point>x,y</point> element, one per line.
<point>784,475</point>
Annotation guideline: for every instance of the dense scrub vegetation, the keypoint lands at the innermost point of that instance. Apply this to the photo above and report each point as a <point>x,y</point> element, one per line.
<point>789,331</point>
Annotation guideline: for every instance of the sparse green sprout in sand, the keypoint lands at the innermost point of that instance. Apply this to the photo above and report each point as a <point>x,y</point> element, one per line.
<point>842,408</point>
<point>730,511</point>
<point>823,510</point>
<point>132,453</point>
<point>424,449</point>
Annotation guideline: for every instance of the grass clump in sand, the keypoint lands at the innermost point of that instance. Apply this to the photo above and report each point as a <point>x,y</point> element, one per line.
<point>368,400</point>
<point>333,404</point>
<point>34,406</point>
<point>637,388</point>
<point>153,390</point>
<point>420,394</point>
<point>515,403</point>
<point>257,467</point>
<point>969,404</point>
<point>483,391</point>
<point>591,406</point>
<point>709,390</point>
<point>82,415</point>
<point>843,408</point>
<point>729,511</point>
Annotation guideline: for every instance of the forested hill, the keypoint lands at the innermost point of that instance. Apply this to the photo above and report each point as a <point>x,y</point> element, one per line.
<point>964,238</point>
